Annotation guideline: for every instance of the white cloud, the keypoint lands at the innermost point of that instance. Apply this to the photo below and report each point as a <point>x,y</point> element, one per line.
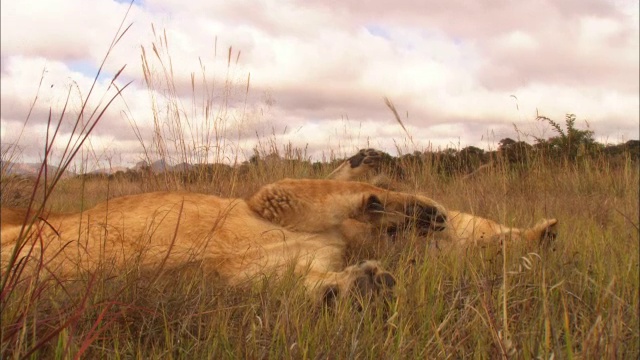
<point>319,70</point>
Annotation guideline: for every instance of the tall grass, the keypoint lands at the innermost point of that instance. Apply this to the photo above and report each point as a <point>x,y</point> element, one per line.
<point>202,130</point>
<point>578,298</point>
<point>31,318</point>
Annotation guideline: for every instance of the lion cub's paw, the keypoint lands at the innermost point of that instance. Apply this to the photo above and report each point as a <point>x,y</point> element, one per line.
<point>366,158</point>
<point>364,280</point>
<point>426,218</point>
<point>371,278</point>
<point>360,164</point>
<point>421,217</point>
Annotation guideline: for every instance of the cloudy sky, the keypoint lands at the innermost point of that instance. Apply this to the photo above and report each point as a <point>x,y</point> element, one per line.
<point>314,74</point>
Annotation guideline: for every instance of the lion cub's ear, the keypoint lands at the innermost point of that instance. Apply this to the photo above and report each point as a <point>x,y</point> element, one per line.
<point>373,205</point>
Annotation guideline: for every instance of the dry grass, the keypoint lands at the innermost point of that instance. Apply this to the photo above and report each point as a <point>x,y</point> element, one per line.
<point>578,299</point>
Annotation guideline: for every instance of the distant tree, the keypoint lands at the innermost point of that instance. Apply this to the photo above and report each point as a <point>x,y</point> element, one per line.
<point>255,158</point>
<point>469,159</point>
<point>514,152</point>
<point>570,142</point>
<point>471,150</point>
<point>505,143</point>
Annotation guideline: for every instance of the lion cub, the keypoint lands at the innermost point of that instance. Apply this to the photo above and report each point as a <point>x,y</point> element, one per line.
<point>287,224</point>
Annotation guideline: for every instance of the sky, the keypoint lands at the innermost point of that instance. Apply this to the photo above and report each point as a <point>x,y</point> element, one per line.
<point>225,77</point>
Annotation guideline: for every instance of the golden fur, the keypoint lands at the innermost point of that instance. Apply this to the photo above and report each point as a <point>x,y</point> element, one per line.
<point>291,224</point>
<point>461,228</point>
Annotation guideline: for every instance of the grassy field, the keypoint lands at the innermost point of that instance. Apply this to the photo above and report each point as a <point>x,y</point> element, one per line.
<point>579,298</point>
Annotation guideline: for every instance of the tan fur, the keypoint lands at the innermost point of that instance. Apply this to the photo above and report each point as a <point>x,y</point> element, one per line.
<point>469,229</point>
<point>16,216</point>
<point>461,228</point>
<point>288,224</point>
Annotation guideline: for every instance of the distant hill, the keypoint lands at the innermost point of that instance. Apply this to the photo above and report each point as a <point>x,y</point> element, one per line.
<point>108,171</point>
<point>32,169</point>
<point>157,166</point>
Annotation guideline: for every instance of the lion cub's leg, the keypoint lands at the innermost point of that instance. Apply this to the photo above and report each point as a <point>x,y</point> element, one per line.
<point>542,233</point>
<point>314,205</point>
<point>319,205</point>
<point>467,228</point>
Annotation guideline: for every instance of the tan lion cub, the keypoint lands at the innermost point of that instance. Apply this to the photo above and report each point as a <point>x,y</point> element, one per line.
<point>288,224</point>
<point>460,228</point>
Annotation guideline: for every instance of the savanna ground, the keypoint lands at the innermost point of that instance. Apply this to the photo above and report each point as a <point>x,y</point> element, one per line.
<point>578,298</point>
